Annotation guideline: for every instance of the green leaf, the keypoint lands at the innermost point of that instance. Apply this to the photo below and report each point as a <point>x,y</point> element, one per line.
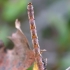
<point>30,68</point>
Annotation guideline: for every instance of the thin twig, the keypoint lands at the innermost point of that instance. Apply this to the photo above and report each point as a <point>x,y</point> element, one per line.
<point>38,56</point>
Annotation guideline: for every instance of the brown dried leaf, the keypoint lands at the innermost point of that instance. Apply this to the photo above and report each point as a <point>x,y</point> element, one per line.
<point>21,51</point>
<point>2,52</point>
<point>21,56</point>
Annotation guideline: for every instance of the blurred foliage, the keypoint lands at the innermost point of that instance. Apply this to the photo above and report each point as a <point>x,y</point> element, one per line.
<point>62,29</point>
<point>58,29</point>
<point>4,32</point>
<point>13,8</point>
<point>65,62</point>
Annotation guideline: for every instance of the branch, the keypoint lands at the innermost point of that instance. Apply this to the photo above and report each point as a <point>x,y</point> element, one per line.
<point>38,56</point>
